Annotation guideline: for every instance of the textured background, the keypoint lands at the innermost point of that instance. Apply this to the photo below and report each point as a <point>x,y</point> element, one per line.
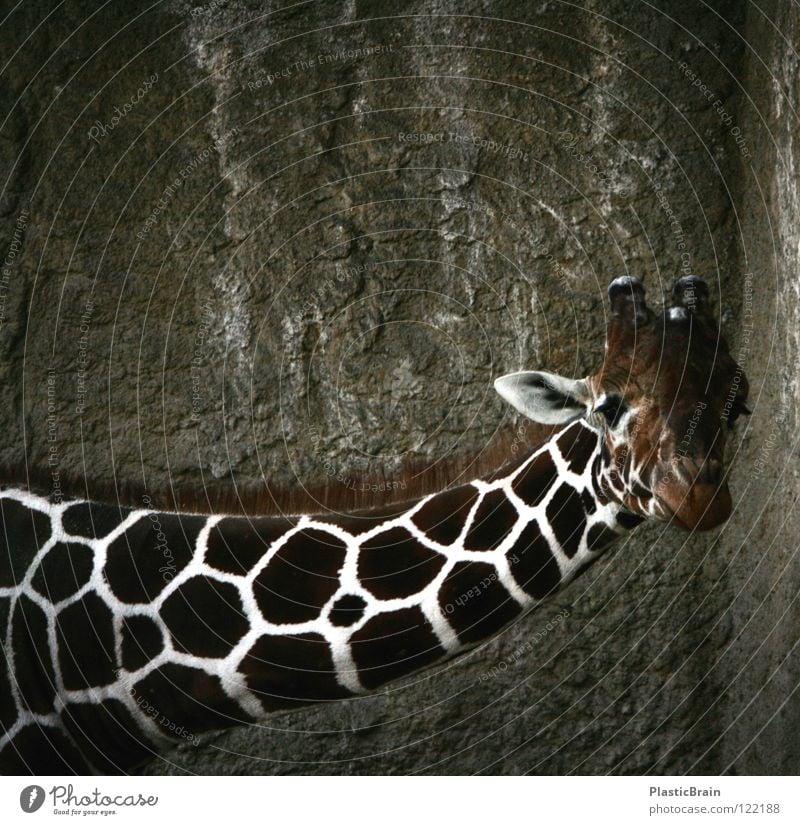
<point>257,271</point>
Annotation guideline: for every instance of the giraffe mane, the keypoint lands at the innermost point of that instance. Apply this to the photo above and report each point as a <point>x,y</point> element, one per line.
<point>372,490</point>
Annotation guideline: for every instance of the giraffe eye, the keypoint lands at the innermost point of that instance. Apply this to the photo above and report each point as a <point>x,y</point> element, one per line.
<point>612,409</point>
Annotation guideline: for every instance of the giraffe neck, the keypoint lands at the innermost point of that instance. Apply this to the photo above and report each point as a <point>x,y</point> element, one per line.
<point>126,629</point>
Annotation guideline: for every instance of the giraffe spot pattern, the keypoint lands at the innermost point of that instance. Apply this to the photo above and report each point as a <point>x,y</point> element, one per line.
<point>347,610</point>
<point>533,564</point>
<point>236,545</point>
<point>148,555</point>
<point>493,521</point>
<point>475,602</point>
<point>599,536</point>
<point>535,480</point>
<point>107,734</point>
<point>23,532</point>
<point>394,565</point>
<point>63,571</point>
<point>597,488</point>
<point>185,701</point>
<point>5,612</point>
<point>91,520</point>
<point>300,579</point>
<point>41,750</point>
<point>628,520</point>
<point>638,490</point>
<point>305,579</point>
<point>141,641</point>
<point>289,671</point>
<point>589,503</point>
<point>8,710</point>
<point>85,636</point>
<point>576,445</point>
<point>394,644</point>
<point>565,514</point>
<point>205,617</point>
<point>358,523</point>
<point>35,675</point>
<point>444,516</point>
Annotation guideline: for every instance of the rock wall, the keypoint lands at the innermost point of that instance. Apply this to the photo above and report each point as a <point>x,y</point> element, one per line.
<point>298,242</point>
<point>757,667</point>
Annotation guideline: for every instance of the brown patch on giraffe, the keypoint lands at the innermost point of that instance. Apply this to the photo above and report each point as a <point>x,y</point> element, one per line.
<point>362,521</point>
<point>41,750</point>
<point>394,644</point>
<point>289,671</point>
<point>347,610</point>
<point>85,640</point>
<point>629,520</point>
<point>394,565</point>
<point>474,601</point>
<point>93,520</point>
<point>493,521</point>
<point>443,517</point>
<point>596,485</point>
<point>205,617</point>
<point>66,568</point>
<point>23,531</point>
<point>532,484</point>
<point>141,641</point>
<point>236,545</point>
<point>639,491</point>
<point>33,668</point>
<point>185,701</point>
<point>8,709</point>
<point>300,578</point>
<point>533,564</point>
<point>107,735</point>
<point>149,554</point>
<point>5,612</point>
<point>576,445</point>
<point>566,517</point>
<point>600,536</point>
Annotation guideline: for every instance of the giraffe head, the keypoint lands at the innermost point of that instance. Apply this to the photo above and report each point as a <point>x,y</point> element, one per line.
<point>661,402</point>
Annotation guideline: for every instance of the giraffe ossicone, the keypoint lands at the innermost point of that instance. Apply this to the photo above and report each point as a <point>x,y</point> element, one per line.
<point>127,629</point>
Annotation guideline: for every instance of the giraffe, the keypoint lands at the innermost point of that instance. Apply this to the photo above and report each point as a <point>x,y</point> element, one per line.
<point>128,629</point>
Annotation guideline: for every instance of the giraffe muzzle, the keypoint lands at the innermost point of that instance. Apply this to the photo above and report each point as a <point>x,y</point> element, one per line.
<point>708,471</point>
<point>697,506</point>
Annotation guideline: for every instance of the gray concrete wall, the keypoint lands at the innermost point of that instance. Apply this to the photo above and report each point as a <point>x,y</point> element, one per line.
<point>258,270</point>
<point>756,665</point>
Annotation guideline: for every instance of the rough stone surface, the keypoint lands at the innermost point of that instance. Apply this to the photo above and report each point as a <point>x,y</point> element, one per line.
<point>258,271</point>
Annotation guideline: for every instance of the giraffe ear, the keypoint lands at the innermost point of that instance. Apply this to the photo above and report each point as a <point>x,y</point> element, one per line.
<point>544,397</point>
